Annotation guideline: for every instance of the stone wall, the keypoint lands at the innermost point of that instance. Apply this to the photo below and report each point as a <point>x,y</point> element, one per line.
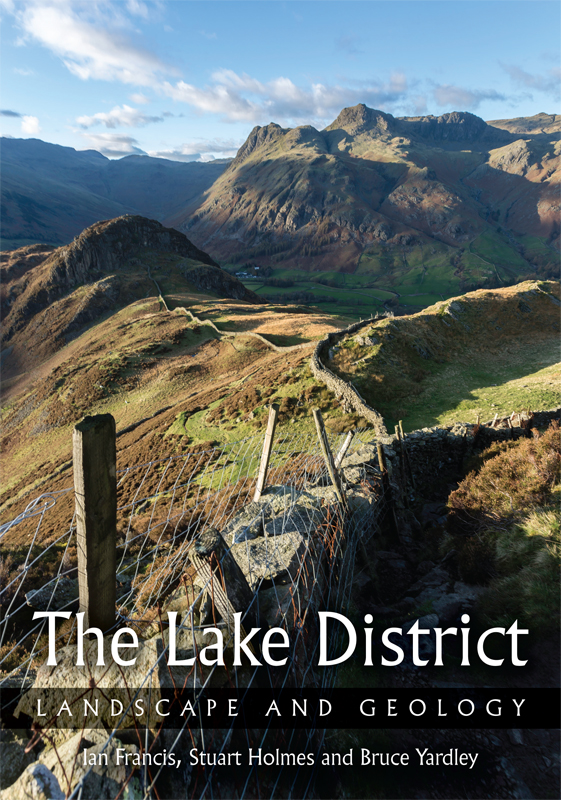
<point>431,458</point>
<point>345,392</point>
<point>276,347</point>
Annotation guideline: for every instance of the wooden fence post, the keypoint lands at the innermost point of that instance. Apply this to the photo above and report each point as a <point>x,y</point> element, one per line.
<point>95,492</point>
<point>344,447</point>
<point>328,456</point>
<point>381,459</point>
<point>266,454</point>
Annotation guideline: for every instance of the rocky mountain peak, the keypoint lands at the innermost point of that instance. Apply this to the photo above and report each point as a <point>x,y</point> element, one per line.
<point>360,119</point>
<point>106,244</point>
<point>257,138</point>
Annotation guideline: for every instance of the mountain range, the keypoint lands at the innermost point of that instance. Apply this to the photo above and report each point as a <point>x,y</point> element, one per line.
<point>367,190</point>
<point>51,193</point>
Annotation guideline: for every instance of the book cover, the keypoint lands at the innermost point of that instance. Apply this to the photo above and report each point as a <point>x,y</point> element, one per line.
<point>281,454</point>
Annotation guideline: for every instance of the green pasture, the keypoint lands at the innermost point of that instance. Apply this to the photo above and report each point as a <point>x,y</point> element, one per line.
<point>500,383</point>
<point>491,246</point>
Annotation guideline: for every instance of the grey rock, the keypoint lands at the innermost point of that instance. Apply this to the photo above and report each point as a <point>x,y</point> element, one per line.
<point>468,594</point>
<point>270,557</point>
<point>515,736</point>
<point>37,782</point>
<point>299,519</point>
<point>150,660</point>
<point>13,758</point>
<point>435,577</point>
<point>65,762</point>
<point>447,607</point>
<point>431,595</point>
<point>53,597</point>
<point>366,454</point>
<point>246,525</point>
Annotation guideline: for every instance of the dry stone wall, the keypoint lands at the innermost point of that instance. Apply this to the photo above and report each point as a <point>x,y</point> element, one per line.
<point>345,392</point>
<point>427,460</point>
<point>276,347</point>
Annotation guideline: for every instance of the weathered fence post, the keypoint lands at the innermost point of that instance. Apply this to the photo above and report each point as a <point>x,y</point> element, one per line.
<point>328,456</point>
<point>344,447</point>
<point>95,491</point>
<point>266,454</point>
<point>386,488</point>
<point>381,459</point>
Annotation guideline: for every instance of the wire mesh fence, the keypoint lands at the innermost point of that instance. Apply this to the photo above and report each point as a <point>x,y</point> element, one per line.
<point>296,549</point>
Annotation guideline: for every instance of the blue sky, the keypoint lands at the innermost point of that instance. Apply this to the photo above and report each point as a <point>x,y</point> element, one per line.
<point>189,80</point>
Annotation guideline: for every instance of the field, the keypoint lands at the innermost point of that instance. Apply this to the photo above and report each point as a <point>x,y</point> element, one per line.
<point>407,279</point>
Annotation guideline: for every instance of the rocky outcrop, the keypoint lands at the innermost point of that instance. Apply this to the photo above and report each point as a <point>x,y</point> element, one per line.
<point>360,119</point>
<point>258,137</point>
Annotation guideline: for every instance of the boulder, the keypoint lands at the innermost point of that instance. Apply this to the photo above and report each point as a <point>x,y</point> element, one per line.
<point>435,577</point>
<point>35,783</point>
<point>447,607</point>
<point>13,758</point>
<point>53,597</point>
<point>99,782</point>
<point>246,525</point>
<point>273,558</point>
<point>150,671</point>
<point>300,519</point>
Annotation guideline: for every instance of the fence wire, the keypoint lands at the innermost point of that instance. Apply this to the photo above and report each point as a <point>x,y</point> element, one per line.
<point>296,549</point>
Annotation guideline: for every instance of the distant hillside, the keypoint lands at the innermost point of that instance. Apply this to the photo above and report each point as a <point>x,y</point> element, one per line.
<point>539,123</point>
<point>372,190</point>
<point>49,297</point>
<point>51,193</point>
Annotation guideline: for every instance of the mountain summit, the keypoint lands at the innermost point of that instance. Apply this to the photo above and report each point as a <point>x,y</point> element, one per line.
<point>370,182</point>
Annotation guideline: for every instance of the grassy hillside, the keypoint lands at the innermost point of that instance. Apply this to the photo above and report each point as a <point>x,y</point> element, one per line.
<point>484,353</point>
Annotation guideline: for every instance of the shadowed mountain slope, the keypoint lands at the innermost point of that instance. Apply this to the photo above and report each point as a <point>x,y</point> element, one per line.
<point>51,193</point>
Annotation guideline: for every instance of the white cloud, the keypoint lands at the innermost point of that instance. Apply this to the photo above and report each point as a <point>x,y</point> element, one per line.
<point>138,8</point>
<point>126,116</point>
<point>459,99</point>
<point>139,99</point>
<point>244,98</point>
<point>22,71</point>
<point>200,150</point>
<point>88,49</point>
<point>549,83</point>
<point>114,145</point>
<point>30,125</point>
